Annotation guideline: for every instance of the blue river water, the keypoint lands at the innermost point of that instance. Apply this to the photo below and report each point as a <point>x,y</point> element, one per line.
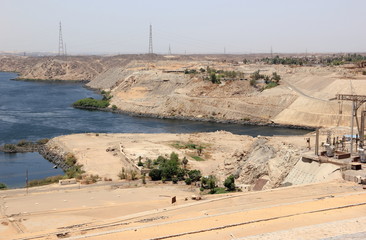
<point>33,110</point>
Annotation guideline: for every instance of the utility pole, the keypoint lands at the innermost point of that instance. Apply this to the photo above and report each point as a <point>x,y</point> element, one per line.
<point>61,51</point>
<point>150,41</point>
<point>170,50</point>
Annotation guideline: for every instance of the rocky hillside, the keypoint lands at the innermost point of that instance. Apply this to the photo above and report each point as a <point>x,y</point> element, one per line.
<point>158,86</point>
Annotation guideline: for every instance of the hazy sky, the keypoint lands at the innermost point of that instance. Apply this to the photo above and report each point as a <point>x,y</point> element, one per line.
<point>194,26</point>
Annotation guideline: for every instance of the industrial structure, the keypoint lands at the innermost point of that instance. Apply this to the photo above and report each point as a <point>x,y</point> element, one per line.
<point>150,41</point>
<point>61,50</point>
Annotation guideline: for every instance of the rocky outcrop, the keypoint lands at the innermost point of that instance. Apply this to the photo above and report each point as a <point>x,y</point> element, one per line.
<point>55,154</point>
<point>266,159</point>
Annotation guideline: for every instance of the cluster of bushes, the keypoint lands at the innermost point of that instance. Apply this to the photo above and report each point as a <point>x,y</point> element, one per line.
<point>45,181</point>
<point>92,103</point>
<point>215,76</point>
<point>286,60</point>
<point>170,169</point>
<point>190,71</point>
<point>131,174</point>
<point>325,60</point>
<point>209,184</point>
<point>23,146</point>
<point>9,147</point>
<point>74,170</point>
<point>3,186</point>
<point>270,81</point>
<point>192,146</point>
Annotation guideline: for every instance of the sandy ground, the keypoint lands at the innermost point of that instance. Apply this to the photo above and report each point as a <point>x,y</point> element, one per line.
<point>90,149</point>
<point>223,154</point>
<point>104,212</point>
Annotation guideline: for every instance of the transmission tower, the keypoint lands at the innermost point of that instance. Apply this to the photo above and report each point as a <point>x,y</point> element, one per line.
<point>150,41</point>
<point>170,50</point>
<point>61,51</point>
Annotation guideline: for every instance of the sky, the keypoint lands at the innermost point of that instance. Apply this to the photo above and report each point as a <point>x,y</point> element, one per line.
<point>187,26</point>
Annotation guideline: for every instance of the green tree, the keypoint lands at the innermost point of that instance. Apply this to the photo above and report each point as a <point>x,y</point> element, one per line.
<point>140,164</point>
<point>275,77</point>
<point>229,183</point>
<point>214,78</point>
<point>185,162</point>
<point>3,186</point>
<point>188,181</point>
<point>195,175</point>
<point>209,183</point>
<point>155,174</point>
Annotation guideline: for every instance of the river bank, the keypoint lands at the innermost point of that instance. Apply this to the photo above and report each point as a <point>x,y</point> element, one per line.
<point>248,158</point>
<point>45,110</point>
<point>161,87</point>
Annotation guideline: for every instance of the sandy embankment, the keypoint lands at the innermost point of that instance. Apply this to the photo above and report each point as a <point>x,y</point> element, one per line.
<point>268,158</point>
<point>106,212</point>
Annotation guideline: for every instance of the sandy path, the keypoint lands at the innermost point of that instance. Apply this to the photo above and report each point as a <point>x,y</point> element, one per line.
<point>146,213</point>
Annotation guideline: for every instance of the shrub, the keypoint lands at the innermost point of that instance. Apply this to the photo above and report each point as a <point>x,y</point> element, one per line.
<point>140,164</point>
<point>188,181</point>
<point>214,78</point>
<point>122,174</point>
<point>114,107</point>
<point>175,180</point>
<point>148,163</point>
<point>3,186</point>
<point>70,160</point>
<point>209,183</point>
<point>45,181</point>
<point>91,103</point>
<point>133,175</point>
<point>23,143</point>
<point>155,174</point>
<point>363,72</point>
<point>185,162</point>
<point>256,75</point>
<point>181,173</point>
<point>174,157</point>
<point>195,175</point>
<point>271,85</point>
<point>229,183</point>
<point>43,141</point>
<point>75,171</point>
<point>219,190</point>
<point>275,77</point>
<point>9,147</point>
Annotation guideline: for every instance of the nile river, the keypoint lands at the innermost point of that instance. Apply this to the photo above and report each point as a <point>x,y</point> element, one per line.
<point>33,110</point>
